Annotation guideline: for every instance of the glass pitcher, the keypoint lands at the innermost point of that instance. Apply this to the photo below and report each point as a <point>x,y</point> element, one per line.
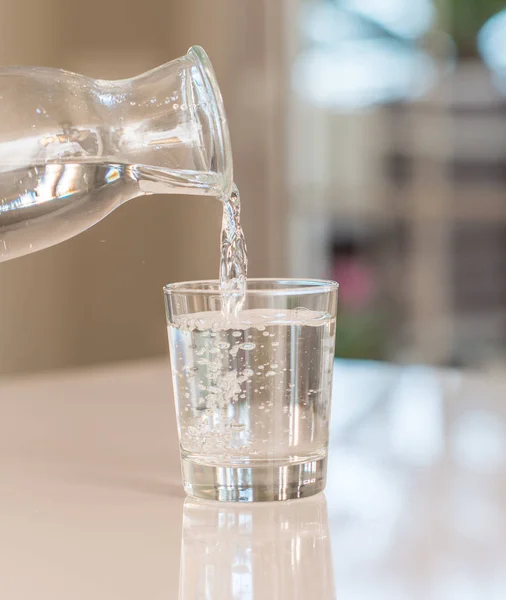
<point>72,149</point>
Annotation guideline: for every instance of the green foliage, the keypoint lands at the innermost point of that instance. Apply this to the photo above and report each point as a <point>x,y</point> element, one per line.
<point>361,336</point>
<point>462,19</point>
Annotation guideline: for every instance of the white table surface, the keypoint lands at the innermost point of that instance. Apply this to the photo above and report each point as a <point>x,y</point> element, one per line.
<point>92,508</point>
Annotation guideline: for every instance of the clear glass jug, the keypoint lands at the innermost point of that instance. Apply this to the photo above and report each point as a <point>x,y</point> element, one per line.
<point>72,149</point>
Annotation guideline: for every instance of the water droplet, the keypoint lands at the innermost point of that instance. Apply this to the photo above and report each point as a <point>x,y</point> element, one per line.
<point>266,333</point>
<point>132,103</point>
<point>175,106</point>
<point>237,333</point>
<point>38,111</point>
<point>260,327</point>
<point>223,345</point>
<point>275,344</point>
<point>270,373</point>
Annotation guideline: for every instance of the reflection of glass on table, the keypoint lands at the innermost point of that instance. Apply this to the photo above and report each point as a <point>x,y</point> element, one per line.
<point>279,550</point>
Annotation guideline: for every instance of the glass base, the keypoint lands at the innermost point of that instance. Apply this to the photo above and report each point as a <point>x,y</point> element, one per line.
<point>260,483</point>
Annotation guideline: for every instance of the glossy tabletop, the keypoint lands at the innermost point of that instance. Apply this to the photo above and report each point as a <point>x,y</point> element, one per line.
<point>91,503</point>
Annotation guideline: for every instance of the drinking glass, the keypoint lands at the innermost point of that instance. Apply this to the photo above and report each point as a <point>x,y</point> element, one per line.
<point>252,388</point>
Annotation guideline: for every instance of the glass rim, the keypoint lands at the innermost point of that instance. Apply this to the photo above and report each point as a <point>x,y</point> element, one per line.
<point>288,287</point>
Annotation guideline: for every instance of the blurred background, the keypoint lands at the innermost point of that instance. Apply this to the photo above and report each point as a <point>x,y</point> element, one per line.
<point>369,141</point>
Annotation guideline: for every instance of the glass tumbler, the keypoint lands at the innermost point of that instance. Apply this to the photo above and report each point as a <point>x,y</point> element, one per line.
<point>253,389</point>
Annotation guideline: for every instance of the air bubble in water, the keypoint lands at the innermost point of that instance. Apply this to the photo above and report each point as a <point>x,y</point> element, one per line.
<point>247,346</point>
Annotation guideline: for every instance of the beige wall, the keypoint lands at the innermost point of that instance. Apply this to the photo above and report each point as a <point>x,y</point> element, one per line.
<point>98,296</point>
